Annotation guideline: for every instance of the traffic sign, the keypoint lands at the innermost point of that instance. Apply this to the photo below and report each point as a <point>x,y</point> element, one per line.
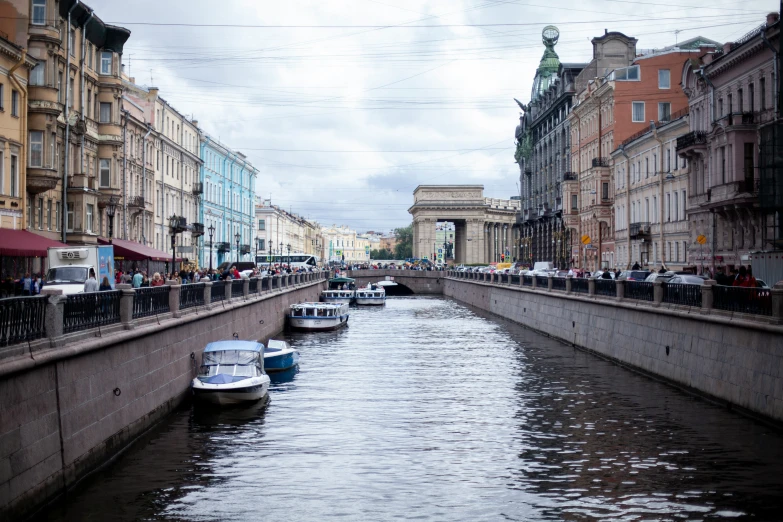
<point>701,239</point>
<point>585,239</point>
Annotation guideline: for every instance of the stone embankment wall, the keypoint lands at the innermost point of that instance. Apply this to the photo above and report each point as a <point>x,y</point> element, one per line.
<point>66,410</point>
<point>737,361</point>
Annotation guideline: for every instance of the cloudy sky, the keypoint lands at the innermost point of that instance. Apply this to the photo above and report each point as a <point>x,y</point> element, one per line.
<point>345,106</point>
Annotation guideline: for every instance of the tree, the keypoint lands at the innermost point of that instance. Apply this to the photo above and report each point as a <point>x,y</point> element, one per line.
<point>404,248</point>
<point>382,254</point>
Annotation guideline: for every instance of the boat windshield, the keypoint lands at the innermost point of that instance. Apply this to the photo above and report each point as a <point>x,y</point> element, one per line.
<point>243,363</point>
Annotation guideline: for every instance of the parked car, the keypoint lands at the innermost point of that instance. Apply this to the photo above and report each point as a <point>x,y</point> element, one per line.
<point>598,274</point>
<point>655,276</point>
<point>634,275</point>
<point>761,284</point>
<point>687,279</point>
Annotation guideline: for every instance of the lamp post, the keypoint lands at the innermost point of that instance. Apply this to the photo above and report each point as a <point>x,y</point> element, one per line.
<point>174,226</point>
<point>111,209</point>
<point>505,242</point>
<point>258,244</point>
<point>280,252</point>
<point>289,254</point>
<point>237,236</point>
<point>211,231</point>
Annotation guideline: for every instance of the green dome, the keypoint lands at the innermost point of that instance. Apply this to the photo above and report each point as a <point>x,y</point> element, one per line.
<point>549,64</point>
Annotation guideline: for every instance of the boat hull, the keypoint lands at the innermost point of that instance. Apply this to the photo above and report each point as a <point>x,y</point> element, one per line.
<point>348,300</point>
<point>371,301</point>
<point>317,324</point>
<point>233,393</point>
<point>281,362</point>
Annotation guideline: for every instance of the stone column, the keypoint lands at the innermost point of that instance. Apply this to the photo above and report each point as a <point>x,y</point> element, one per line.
<point>174,293</point>
<point>591,286</point>
<point>54,315</point>
<point>246,289</point>
<point>620,288</point>
<point>707,295</point>
<point>535,281</point>
<point>126,305</point>
<point>657,292</point>
<point>208,295</point>
<point>549,283</point>
<point>569,280</point>
<point>228,288</point>
<point>777,302</point>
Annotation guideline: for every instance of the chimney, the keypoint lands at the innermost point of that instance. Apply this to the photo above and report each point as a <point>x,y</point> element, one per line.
<point>194,122</point>
<point>132,80</point>
<point>772,18</point>
<point>727,47</point>
<point>154,91</point>
<point>707,59</point>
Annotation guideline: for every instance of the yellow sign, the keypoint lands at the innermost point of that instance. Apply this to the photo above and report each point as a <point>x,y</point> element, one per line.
<point>701,239</point>
<point>585,240</point>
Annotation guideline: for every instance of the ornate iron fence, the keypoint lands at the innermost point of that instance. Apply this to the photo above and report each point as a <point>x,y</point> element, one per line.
<point>606,287</point>
<point>527,280</point>
<point>254,285</point>
<point>681,294</point>
<point>191,295</point>
<point>579,285</point>
<point>91,310</point>
<point>515,280</point>
<point>542,281</point>
<point>237,288</point>
<point>745,300</point>
<point>151,301</point>
<point>639,290</point>
<point>558,283</point>
<point>218,291</point>
<point>22,319</point>
<point>265,284</point>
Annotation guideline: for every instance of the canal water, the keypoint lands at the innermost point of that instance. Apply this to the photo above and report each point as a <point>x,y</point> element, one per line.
<point>429,410</point>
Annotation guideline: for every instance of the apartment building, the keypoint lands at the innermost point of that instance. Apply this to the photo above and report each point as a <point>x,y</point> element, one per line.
<point>277,228</point>
<point>342,245</point>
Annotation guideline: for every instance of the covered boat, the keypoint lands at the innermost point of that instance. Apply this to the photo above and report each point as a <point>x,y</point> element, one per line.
<point>231,372</point>
<point>279,356</point>
<point>318,317</point>
<point>339,290</point>
<point>372,294</point>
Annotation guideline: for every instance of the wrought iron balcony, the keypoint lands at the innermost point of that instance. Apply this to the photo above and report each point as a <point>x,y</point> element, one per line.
<point>558,204</point>
<point>639,230</point>
<point>600,162</point>
<point>223,247</point>
<point>244,249</point>
<point>178,223</point>
<point>570,176</point>
<point>748,118</point>
<point>197,229</point>
<point>691,139</point>
<point>136,202</point>
<point>198,188</point>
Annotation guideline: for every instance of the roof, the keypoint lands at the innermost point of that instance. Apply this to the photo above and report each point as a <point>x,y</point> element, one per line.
<point>225,346</point>
<point>21,243</point>
<point>101,34</point>
<point>133,251</point>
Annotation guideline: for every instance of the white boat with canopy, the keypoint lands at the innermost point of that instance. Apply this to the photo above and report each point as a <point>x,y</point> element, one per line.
<point>372,294</point>
<point>339,290</point>
<point>231,372</point>
<point>315,317</point>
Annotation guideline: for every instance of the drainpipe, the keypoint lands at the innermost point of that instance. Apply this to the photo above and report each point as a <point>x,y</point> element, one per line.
<point>67,122</point>
<point>81,91</point>
<point>660,172</point>
<point>702,74</point>
<point>628,204</point>
<point>582,256</point>
<point>144,183</point>
<point>776,79</point>
<point>124,172</point>
<point>23,108</point>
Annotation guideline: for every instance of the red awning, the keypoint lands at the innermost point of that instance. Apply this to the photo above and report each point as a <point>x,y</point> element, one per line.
<point>21,243</point>
<point>133,251</point>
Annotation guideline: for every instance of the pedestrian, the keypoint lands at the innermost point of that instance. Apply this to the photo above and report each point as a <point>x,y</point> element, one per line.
<point>636,266</point>
<point>91,285</point>
<point>742,277</point>
<point>137,279</point>
<point>27,284</point>
<point>751,280</point>
<point>662,270</point>
<point>606,275</point>
<point>105,286</point>
<point>35,288</point>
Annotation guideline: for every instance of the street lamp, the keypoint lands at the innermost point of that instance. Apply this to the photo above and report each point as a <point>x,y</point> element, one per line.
<point>174,226</point>
<point>111,209</point>
<point>237,236</point>
<point>211,231</point>
<point>258,244</point>
<point>280,252</point>
<point>289,254</point>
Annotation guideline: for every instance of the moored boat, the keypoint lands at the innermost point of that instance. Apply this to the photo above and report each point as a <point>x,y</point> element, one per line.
<point>231,372</point>
<point>318,317</point>
<point>279,356</point>
<point>339,290</point>
<point>372,294</point>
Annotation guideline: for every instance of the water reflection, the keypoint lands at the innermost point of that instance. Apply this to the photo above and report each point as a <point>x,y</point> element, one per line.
<point>427,409</point>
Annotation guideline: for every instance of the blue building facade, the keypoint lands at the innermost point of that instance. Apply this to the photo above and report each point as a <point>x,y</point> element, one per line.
<point>227,203</point>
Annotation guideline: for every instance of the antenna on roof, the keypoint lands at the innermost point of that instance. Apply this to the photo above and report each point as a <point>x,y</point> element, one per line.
<point>676,32</point>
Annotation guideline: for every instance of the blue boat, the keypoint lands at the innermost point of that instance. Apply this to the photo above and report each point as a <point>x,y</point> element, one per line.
<point>279,356</point>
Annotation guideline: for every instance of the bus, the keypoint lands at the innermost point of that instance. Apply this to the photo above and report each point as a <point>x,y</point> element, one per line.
<point>294,259</point>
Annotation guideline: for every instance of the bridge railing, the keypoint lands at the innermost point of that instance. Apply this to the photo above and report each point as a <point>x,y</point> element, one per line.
<point>760,304</point>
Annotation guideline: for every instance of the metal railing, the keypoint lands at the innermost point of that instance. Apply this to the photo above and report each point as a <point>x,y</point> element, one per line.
<point>253,286</point>
<point>542,281</point>
<point>151,301</point>
<point>515,280</point>
<point>639,290</point>
<point>265,284</point>
<point>606,287</point>
<point>22,319</point>
<point>692,138</point>
<point>237,288</point>
<point>218,291</point>
<point>191,295</point>
<point>579,285</point>
<point>745,300</point>
<point>558,283</point>
<point>600,162</point>
<point>527,280</point>
<point>681,294</point>
<point>91,310</point>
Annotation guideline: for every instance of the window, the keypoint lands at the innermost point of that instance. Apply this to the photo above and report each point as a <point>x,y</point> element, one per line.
<point>14,103</point>
<point>29,212</point>
<point>71,46</point>
<point>668,207</point>
<point>89,103</point>
<point>669,160</point>
<point>646,167</point>
<point>105,166</point>
<point>105,63</point>
<point>664,111</point>
<point>37,74</point>
<point>14,176</point>
<point>105,116</point>
<point>683,206</point>
<point>48,214</point>
<point>626,74</point>
<point>573,202</point>
<point>261,224</point>
<point>664,79</point>
<point>40,213</point>
<point>39,12</point>
<point>740,101</point>
<point>676,251</point>
<point>262,244</point>
<point>57,207</point>
<point>676,215</point>
<point>90,208</point>
<point>89,55</point>
<point>684,251</point>
<point>720,108</point>
<point>762,93</point>
<point>605,191</point>
<point>69,218</point>
<point>72,95</point>
<point>638,111</point>
<point>751,97</point>
<point>2,97</point>
<point>655,210</point>
<point>36,148</point>
<point>2,173</point>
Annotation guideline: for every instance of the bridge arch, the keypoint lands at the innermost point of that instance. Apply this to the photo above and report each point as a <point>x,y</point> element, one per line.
<point>408,281</point>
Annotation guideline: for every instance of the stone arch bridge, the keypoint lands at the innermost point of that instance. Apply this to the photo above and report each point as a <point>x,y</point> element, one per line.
<point>408,281</point>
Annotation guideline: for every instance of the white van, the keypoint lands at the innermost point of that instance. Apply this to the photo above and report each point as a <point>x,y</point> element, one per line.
<point>69,267</point>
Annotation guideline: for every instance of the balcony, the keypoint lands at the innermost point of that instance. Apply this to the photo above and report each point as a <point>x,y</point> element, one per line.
<point>528,215</point>
<point>41,179</point>
<point>244,249</point>
<point>600,162</point>
<point>528,171</point>
<point>692,139</point>
<point>198,188</point>
<point>197,229</point>
<point>570,176</point>
<point>639,230</point>
<point>558,204</point>
<point>136,202</point>
<point>223,247</point>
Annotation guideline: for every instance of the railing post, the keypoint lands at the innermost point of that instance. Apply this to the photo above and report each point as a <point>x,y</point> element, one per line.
<point>569,280</point>
<point>485,276</point>
<point>521,280</point>
<point>657,293</point>
<point>228,290</point>
<point>776,295</point>
<point>707,295</point>
<point>54,315</point>
<point>208,295</point>
<point>591,285</point>
<point>534,281</point>
<point>126,305</point>
<point>246,289</point>
<point>620,289</point>
<point>549,283</point>
<point>174,292</point>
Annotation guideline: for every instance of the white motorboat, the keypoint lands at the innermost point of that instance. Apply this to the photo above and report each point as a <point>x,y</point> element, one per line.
<point>279,356</point>
<point>372,294</point>
<point>339,290</point>
<point>231,372</point>
<point>318,317</point>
